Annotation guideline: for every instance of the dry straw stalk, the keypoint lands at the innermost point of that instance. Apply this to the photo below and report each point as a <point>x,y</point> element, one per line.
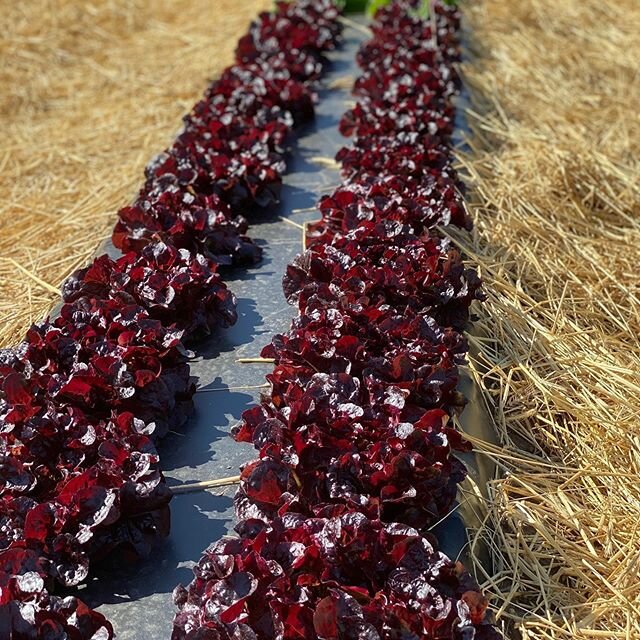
<point>554,162</point>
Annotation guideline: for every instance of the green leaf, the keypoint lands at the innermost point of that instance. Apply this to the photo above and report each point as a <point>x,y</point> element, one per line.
<point>374,5</point>
<point>354,6</point>
<point>424,10</point>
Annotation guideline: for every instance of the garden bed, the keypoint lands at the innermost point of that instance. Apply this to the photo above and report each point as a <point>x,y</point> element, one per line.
<point>403,340</point>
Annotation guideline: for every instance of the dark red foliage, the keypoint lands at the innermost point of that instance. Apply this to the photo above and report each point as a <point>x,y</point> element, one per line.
<point>306,26</point>
<point>326,460</point>
<point>177,287</point>
<point>259,85</point>
<point>75,459</point>
<point>422,366</point>
<point>29,612</point>
<point>99,356</point>
<point>241,179</point>
<point>343,577</point>
<point>71,465</point>
<point>419,204</point>
<point>410,156</point>
<point>229,159</point>
<point>384,263</point>
<point>187,221</point>
<point>427,113</point>
<point>85,397</point>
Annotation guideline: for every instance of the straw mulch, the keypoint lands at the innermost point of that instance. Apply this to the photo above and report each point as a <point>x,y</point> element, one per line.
<point>555,169</point>
<point>89,91</point>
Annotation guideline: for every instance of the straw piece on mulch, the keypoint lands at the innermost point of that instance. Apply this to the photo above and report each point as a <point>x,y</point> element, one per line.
<point>554,166</point>
<point>89,92</point>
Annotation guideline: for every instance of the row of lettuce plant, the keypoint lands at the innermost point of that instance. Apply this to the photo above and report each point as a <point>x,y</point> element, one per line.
<point>356,438</point>
<point>86,396</point>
